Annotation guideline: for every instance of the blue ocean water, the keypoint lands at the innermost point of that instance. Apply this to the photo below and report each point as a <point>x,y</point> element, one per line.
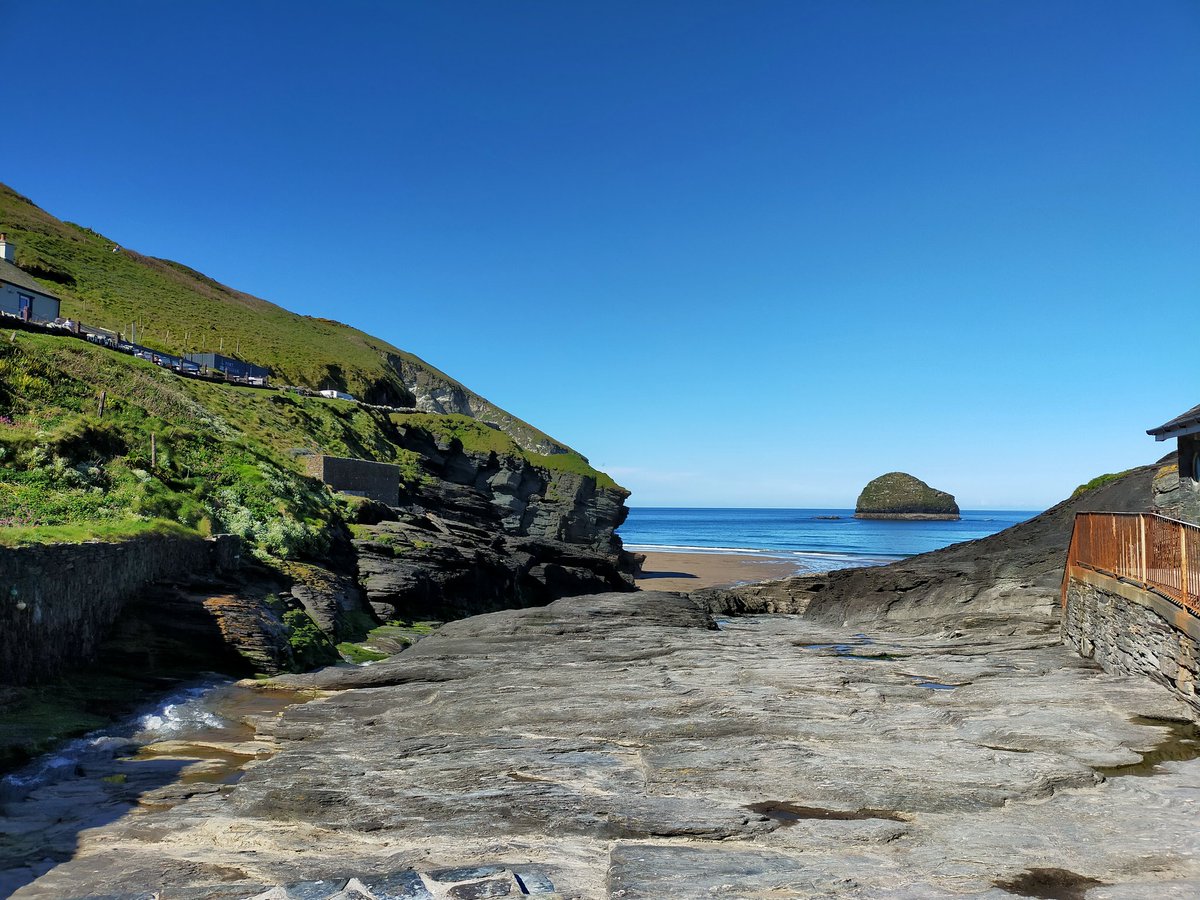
<point>816,539</point>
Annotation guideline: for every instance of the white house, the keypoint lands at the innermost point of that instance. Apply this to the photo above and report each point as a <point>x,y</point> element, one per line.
<point>336,395</point>
<point>20,295</point>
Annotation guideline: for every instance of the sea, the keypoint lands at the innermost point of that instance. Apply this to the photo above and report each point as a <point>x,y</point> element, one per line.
<point>816,540</point>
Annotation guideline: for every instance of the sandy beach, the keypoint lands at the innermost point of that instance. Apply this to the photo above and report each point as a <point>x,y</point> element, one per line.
<point>692,571</point>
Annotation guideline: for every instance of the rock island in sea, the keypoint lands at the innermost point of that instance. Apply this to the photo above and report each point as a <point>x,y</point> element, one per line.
<point>898,495</point>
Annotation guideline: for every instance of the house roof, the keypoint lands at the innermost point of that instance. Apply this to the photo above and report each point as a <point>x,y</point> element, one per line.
<point>19,278</point>
<point>1183,424</point>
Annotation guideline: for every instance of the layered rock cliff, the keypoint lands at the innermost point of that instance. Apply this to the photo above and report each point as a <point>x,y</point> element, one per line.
<point>487,530</point>
<point>465,475</point>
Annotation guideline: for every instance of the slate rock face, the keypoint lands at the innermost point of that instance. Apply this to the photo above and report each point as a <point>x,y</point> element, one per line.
<point>485,531</point>
<point>898,495</point>
<point>334,601</point>
<point>424,566</point>
<point>476,532</point>
<point>513,495</point>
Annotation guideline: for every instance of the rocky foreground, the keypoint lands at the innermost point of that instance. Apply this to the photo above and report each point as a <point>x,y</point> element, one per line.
<point>629,745</point>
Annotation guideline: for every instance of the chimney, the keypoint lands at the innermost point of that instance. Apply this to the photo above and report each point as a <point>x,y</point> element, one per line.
<point>8,249</point>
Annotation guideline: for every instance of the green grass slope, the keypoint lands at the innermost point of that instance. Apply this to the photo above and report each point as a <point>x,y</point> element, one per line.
<point>180,310</point>
<point>225,458</point>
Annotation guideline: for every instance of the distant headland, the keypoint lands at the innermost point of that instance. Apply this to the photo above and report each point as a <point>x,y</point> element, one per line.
<point>898,495</point>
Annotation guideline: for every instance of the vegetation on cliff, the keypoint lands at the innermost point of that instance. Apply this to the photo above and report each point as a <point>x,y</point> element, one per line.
<point>188,457</point>
<point>479,437</point>
<point>173,453</point>
<point>178,453</point>
<point>1098,481</point>
<point>899,495</point>
<point>158,457</point>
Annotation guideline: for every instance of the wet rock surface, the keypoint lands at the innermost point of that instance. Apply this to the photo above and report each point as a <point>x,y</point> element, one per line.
<point>629,745</point>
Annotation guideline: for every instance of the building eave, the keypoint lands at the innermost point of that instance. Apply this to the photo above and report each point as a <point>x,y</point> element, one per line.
<point>1177,430</point>
<point>1181,426</point>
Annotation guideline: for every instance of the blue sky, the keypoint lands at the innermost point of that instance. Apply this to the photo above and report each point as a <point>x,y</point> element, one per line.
<point>738,254</point>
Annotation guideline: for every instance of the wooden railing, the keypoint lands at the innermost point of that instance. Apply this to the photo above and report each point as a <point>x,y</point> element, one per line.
<point>1157,553</point>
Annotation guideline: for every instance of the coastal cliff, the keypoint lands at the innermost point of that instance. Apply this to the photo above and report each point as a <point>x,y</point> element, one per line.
<point>487,528</point>
<point>898,495</point>
<point>99,443</point>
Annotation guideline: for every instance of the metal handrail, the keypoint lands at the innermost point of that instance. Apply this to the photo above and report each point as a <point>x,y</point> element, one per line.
<point>1152,551</point>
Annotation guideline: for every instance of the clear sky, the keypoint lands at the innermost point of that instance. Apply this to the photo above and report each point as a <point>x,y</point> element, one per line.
<point>737,253</point>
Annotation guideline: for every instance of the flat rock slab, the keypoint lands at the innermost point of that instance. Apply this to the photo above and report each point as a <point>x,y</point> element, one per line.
<point>650,872</point>
<point>629,745</point>
<point>459,883</point>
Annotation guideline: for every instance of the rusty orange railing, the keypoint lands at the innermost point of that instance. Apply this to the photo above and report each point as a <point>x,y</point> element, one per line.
<point>1157,553</point>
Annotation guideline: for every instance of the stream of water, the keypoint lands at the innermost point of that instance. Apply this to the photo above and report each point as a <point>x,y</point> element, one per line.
<point>202,733</point>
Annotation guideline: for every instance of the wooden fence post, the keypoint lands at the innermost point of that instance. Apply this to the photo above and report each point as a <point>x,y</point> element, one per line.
<point>100,408</point>
<point>153,452</point>
<point>1183,566</point>
<point>1142,547</point>
<point>1070,562</point>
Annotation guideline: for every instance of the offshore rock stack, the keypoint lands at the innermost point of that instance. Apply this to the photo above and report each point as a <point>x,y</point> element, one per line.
<point>898,495</point>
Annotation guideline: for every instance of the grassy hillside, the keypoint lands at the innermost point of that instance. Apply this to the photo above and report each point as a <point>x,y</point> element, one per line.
<point>180,310</point>
<point>226,458</point>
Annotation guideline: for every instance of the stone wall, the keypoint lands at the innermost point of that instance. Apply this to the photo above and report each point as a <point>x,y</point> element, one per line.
<point>58,600</point>
<point>1176,490</point>
<point>1130,631</point>
<point>378,481</point>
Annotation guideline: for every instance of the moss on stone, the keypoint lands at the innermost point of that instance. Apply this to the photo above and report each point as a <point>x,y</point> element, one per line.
<point>34,719</point>
<point>311,647</point>
<point>356,653</point>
